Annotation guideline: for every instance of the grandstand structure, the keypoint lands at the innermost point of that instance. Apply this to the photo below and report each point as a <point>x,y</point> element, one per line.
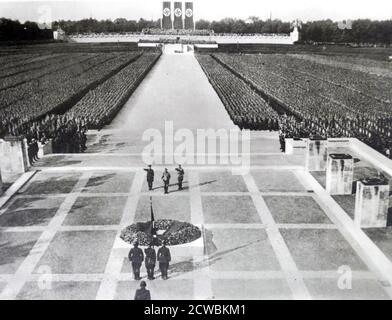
<point>196,37</point>
<point>177,24</point>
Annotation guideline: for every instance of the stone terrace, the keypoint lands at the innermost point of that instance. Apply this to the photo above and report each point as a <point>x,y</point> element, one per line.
<point>268,234</point>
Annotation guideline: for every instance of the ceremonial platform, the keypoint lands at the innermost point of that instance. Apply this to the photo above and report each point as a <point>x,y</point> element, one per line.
<point>273,232</point>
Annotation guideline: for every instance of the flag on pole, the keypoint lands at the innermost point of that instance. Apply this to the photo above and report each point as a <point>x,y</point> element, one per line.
<point>152,218</point>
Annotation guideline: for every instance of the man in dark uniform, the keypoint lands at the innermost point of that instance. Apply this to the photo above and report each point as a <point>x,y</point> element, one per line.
<point>150,261</point>
<point>136,257</point>
<point>164,258</point>
<point>30,152</point>
<point>142,293</point>
<point>166,180</point>
<point>35,149</point>
<point>181,174</point>
<point>150,176</point>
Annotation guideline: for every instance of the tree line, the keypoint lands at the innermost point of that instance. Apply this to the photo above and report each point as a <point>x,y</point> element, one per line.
<point>356,31</point>
<point>11,30</point>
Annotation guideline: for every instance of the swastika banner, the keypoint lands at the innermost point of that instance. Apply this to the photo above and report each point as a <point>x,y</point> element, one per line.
<point>166,15</point>
<point>189,24</point>
<point>178,23</point>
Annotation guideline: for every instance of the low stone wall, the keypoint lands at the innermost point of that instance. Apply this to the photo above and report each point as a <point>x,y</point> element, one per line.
<point>13,155</point>
<point>374,157</point>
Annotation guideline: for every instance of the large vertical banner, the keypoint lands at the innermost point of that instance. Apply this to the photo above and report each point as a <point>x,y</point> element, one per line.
<point>177,24</point>
<point>189,24</point>
<point>166,16</point>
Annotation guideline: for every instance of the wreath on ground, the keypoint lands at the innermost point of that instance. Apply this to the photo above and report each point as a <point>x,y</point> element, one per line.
<point>172,231</point>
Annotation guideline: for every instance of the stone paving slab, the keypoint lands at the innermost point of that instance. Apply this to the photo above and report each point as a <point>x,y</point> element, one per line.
<point>78,252</point>
<point>51,183</point>
<point>251,289</point>
<point>221,181</point>
<point>361,289</point>
<point>382,237</point>
<point>96,211</point>
<point>109,182</point>
<point>85,290</point>
<point>165,207</point>
<point>285,209</point>
<point>14,248</point>
<point>30,212</point>
<point>229,209</point>
<point>277,180</point>
<point>320,249</point>
<point>347,202</point>
<point>180,289</point>
<point>240,250</point>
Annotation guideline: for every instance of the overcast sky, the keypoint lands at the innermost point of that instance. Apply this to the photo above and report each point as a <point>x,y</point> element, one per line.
<point>206,9</point>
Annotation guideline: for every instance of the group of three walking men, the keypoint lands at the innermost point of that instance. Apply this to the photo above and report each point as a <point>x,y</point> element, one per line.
<point>165,178</point>
<point>136,258</point>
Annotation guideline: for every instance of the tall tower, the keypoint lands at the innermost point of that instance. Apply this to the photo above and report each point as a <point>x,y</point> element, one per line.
<point>178,23</point>
<point>166,16</point>
<point>189,23</point>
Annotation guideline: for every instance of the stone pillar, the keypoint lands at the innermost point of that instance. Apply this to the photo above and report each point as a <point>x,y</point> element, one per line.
<point>340,174</point>
<point>294,146</point>
<point>13,155</point>
<point>372,203</point>
<point>316,154</point>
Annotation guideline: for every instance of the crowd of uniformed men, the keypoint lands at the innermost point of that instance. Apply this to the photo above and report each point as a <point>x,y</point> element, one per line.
<point>68,133</point>
<point>375,132</point>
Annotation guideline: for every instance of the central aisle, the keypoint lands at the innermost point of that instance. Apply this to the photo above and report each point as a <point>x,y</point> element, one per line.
<point>177,90</point>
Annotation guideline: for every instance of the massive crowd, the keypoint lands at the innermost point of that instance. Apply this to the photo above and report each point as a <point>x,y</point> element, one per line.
<point>52,89</point>
<point>246,108</point>
<point>32,92</point>
<point>68,133</point>
<point>100,105</point>
<point>317,99</point>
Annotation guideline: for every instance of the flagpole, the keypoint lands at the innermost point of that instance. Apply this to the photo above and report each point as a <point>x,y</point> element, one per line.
<point>153,234</point>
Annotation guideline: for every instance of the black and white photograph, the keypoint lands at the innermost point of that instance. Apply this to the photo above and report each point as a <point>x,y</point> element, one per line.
<point>196,150</point>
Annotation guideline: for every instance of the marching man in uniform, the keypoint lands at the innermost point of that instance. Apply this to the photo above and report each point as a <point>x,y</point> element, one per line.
<point>150,176</point>
<point>142,293</point>
<point>164,258</point>
<point>136,257</point>
<point>166,180</point>
<point>150,261</point>
<point>181,174</point>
